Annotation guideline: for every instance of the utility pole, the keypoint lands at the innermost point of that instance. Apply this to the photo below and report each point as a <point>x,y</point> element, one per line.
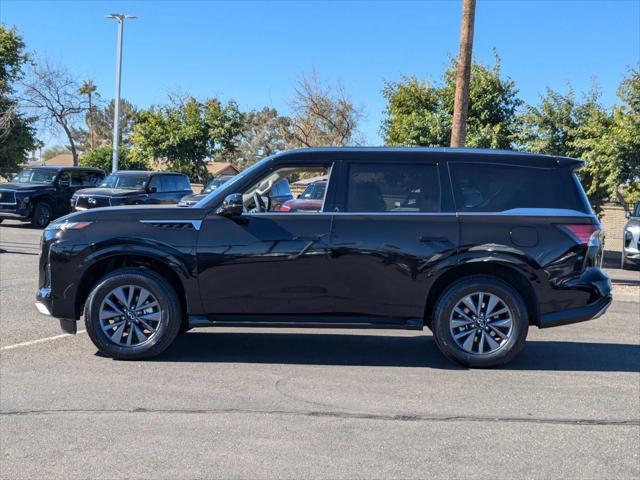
<point>120,17</point>
<point>463,75</point>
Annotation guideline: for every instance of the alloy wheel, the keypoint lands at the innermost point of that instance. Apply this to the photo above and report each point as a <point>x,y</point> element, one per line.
<point>130,316</point>
<point>481,323</point>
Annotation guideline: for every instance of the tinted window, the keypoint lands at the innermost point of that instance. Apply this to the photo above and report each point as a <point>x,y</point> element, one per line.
<point>85,179</point>
<point>64,179</point>
<point>182,182</point>
<point>35,176</point>
<point>496,188</point>
<point>393,188</point>
<point>637,214</point>
<point>168,183</point>
<point>127,181</point>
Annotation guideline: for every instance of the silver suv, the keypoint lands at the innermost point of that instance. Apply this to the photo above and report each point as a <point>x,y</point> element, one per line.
<point>631,240</point>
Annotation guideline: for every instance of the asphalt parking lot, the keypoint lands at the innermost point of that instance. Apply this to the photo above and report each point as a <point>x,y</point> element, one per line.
<point>252,403</point>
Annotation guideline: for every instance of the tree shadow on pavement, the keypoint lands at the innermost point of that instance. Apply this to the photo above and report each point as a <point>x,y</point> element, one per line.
<point>386,351</point>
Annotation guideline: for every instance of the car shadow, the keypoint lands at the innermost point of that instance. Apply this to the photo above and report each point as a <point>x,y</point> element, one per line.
<point>386,351</point>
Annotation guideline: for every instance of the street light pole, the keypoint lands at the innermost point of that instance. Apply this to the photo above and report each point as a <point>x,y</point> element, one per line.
<point>120,17</point>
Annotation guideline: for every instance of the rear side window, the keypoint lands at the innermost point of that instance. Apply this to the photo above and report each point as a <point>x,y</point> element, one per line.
<point>481,187</point>
<point>379,187</point>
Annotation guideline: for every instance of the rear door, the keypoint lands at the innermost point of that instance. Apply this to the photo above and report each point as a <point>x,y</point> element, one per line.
<point>395,228</point>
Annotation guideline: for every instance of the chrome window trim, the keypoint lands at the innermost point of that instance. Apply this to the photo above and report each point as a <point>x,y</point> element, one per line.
<point>516,212</point>
<point>197,224</point>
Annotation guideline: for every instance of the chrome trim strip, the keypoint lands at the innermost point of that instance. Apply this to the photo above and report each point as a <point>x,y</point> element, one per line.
<point>197,224</point>
<point>516,212</point>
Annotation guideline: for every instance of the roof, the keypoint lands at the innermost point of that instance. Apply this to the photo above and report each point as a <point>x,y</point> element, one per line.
<point>62,160</point>
<point>450,154</point>
<point>59,167</point>
<point>147,172</point>
<point>216,168</point>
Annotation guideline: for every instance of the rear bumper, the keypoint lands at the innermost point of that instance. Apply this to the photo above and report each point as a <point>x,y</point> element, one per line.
<point>575,315</point>
<point>594,286</point>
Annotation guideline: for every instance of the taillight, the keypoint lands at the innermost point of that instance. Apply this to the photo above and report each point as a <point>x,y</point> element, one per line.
<point>583,234</point>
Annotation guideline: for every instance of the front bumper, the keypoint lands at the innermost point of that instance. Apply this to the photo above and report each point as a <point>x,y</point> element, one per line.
<point>15,214</point>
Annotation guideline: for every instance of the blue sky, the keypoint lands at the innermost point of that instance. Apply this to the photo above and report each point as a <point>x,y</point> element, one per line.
<point>254,51</point>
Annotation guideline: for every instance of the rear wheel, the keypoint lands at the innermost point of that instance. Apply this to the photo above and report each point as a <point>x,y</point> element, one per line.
<point>480,321</point>
<point>41,215</point>
<point>133,314</point>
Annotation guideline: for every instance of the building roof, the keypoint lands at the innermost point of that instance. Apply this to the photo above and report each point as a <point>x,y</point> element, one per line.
<point>218,168</point>
<point>62,160</point>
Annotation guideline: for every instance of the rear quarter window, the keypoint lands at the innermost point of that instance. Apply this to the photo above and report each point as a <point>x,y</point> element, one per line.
<point>481,187</point>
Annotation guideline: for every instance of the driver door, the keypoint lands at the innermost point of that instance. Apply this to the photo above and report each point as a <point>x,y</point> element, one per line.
<point>266,261</point>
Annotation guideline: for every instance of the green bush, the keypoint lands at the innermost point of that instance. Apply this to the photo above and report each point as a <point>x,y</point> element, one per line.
<point>100,157</point>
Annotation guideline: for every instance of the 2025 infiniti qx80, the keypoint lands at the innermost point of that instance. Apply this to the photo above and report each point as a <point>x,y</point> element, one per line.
<point>475,244</point>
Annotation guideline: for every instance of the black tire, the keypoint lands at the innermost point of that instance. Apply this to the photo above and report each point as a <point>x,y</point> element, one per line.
<point>169,307</point>
<point>624,264</point>
<point>41,215</point>
<point>453,295</point>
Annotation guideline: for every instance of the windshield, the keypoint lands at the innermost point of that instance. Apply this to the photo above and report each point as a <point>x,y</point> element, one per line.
<point>637,214</point>
<point>128,181</point>
<point>213,185</point>
<point>35,175</point>
<point>315,191</point>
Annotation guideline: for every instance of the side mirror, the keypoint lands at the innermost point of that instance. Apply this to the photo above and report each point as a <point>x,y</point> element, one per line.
<point>152,189</point>
<point>231,206</point>
<point>627,214</point>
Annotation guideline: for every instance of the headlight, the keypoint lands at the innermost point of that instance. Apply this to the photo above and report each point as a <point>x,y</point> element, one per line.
<point>68,226</point>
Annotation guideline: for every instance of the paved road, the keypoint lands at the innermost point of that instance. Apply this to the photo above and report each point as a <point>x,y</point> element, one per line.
<point>314,404</point>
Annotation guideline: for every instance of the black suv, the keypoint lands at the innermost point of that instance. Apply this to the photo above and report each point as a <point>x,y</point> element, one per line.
<point>477,245</point>
<point>134,188</point>
<point>39,194</point>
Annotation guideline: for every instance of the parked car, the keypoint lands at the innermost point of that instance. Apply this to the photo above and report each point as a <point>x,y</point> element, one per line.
<point>309,200</point>
<point>39,194</point>
<point>134,188</point>
<point>631,240</point>
<point>189,200</point>
<point>476,245</point>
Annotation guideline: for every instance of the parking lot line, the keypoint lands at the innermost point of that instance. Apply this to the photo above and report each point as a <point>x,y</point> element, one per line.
<point>40,340</point>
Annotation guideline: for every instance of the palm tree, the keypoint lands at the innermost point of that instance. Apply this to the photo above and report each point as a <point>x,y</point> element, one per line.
<point>88,88</point>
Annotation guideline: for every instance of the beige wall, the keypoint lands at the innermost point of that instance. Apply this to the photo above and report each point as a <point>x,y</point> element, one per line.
<point>613,221</point>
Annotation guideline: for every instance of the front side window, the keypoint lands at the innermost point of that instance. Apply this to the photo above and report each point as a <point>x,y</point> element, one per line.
<point>275,191</point>
<point>481,187</point>
<point>167,183</point>
<point>35,175</point>
<point>393,187</point>
<point>125,181</point>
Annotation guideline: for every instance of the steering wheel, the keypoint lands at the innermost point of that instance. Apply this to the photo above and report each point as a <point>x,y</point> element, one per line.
<point>259,204</point>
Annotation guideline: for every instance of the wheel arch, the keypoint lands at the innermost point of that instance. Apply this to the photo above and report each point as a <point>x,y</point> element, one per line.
<point>168,268</point>
<point>515,275</point>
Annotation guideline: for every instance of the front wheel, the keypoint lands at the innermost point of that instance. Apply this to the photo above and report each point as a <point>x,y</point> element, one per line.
<point>41,215</point>
<point>132,314</point>
<point>480,321</point>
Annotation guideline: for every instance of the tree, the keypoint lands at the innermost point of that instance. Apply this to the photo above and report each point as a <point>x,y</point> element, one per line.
<point>463,75</point>
<point>262,136</point>
<point>102,125</point>
<point>187,133</point>
<point>550,127</point>
<point>17,131</point>
<point>89,89</point>
<point>101,157</point>
<point>53,151</point>
<point>53,93</point>
<point>419,113</point>
<point>323,115</point>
